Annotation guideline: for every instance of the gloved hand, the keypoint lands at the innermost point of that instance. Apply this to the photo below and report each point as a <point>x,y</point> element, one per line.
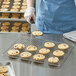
<point>29,13</point>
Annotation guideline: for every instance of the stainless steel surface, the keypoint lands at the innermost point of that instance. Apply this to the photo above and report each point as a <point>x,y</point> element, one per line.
<point>9,66</point>
<point>29,69</point>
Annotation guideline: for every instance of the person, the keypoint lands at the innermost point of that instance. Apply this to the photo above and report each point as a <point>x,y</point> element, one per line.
<point>53,16</point>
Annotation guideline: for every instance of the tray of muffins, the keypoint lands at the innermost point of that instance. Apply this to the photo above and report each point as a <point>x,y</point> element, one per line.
<point>15,26</point>
<point>6,68</point>
<point>13,6</point>
<point>49,53</point>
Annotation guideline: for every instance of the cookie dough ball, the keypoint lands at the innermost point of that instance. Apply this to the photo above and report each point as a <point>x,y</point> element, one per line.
<point>63,46</point>
<point>53,60</point>
<point>25,55</point>
<point>31,48</point>
<point>38,57</point>
<point>58,53</point>
<point>44,51</point>
<point>37,33</point>
<point>49,44</point>
<point>19,46</point>
<point>3,69</point>
<point>13,52</point>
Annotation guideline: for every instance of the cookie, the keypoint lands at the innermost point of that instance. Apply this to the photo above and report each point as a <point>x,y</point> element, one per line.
<point>5,6</point>
<point>44,51</point>
<point>19,46</point>
<point>38,57</point>
<point>53,60</point>
<point>31,48</point>
<point>25,28</point>
<point>13,52</point>
<point>3,69</point>
<point>25,55</point>
<point>15,28</point>
<point>4,74</point>
<point>17,24</point>
<point>4,30</point>
<point>4,9</point>
<point>6,3</point>
<point>15,14</point>
<point>49,44</point>
<point>15,7</point>
<point>6,23</point>
<point>37,33</point>
<point>58,53</point>
<point>63,46</point>
<point>25,25</point>
<point>16,4</point>
<point>5,17</point>
<point>5,14</point>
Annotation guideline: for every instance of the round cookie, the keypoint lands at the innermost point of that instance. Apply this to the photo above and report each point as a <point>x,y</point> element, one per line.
<point>15,28</point>
<point>38,57</point>
<point>25,24</point>
<point>19,46</point>
<point>13,52</point>
<point>6,23</point>
<point>58,53</point>
<point>3,69</point>
<point>3,9</point>
<point>4,74</point>
<point>25,55</point>
<point>4,30</point>
<point>49,44</point>
<point>44,51</point>
<point>16,7</point>
<point>31,48</point>
<point>53,60</point>
<point>6,3</point>
<point>63,46</point>
<point>37,33</point>
<point>17,24</point>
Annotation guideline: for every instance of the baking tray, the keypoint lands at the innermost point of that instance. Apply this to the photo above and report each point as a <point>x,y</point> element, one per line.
<point>11,4</point>
<point>11,25</point>
<point>9,66</point>
<point>40,44</point>
<point>10,17</point>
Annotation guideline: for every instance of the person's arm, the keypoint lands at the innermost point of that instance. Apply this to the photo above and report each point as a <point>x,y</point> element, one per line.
<point>30,3</point>
<point>29,12</point>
